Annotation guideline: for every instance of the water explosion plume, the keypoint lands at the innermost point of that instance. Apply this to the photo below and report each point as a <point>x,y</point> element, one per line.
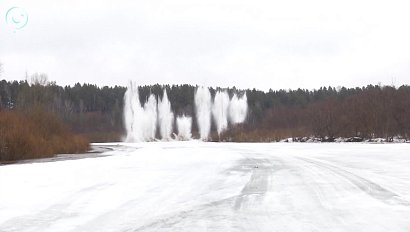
<point>149,119</point>
<point>132,111</point>
<point>220,111</point>
<point>165,117</point>
<point>140,122</point>
<point>203,111</point>
<point>238,109</point>
<point>184,125</point>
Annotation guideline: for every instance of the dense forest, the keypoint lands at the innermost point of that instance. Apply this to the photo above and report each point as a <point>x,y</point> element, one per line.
<point>96,112</point>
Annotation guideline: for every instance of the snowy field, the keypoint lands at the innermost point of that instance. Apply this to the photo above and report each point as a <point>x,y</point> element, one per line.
<point>194,186</point>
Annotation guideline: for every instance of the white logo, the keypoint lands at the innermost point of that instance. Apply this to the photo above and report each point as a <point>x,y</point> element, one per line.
<point>17,18</point>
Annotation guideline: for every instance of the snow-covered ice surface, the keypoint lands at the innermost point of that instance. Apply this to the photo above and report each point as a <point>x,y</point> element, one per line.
<point>195,186</point>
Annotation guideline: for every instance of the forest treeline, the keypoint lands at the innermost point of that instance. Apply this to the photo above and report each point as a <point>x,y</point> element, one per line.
<point>29,128</point>
<point>328,112</point>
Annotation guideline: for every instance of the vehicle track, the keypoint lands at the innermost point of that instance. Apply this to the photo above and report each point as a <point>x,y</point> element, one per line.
<point>260,170</point>
<point>369,187</point>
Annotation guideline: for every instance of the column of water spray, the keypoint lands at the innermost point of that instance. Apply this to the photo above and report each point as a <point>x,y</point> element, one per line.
<point>203,111</point>
<point>149,119</point>
<point>165,117</point>
<point>184,125</point>
<point>238,108</point>
<point>220,111</point>
<point>141,121</point>
<point>132,113</point>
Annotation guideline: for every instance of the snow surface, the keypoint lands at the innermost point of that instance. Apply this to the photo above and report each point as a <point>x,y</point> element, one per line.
<point>195,186</point>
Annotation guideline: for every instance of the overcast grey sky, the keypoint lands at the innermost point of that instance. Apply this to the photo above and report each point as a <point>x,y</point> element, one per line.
<point>259,43</point>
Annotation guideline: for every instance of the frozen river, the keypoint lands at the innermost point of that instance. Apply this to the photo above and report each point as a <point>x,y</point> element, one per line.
<point>194,186</point>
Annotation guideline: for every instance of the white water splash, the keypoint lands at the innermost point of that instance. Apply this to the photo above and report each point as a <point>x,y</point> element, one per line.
<point>184,125</point>
<point>238,109</point>
<point>203,111</point>
<point>140,122</point>
<point>165,117</point>
<point>149,119</point>
<point>220,111</point>
<point>132,113</point>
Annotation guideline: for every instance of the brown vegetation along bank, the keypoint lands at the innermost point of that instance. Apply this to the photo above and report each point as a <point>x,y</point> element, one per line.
<point>36,134</point>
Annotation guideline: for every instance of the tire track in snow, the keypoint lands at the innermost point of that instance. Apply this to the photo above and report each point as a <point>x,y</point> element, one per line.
<point>371,188</point>
<point>260,169</point>
<point>48,216</point>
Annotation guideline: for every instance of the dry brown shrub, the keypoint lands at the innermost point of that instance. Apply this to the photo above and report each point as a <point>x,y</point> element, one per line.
<point>36,134</point>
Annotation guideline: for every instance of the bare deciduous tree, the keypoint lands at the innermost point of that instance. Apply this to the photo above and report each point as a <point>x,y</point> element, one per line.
<point>39,79</point>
